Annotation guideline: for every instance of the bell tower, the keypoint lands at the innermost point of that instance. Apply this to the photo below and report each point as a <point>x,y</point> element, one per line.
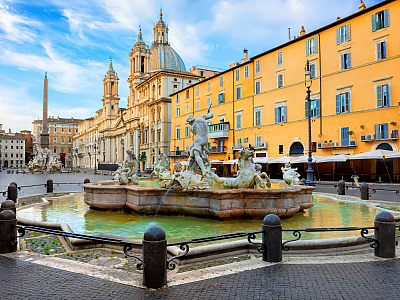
<point>110,94</point>
<point>139,67</point>
<point>160,31</point>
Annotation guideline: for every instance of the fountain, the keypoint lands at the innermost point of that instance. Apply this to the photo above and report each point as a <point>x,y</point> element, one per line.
<point>198,191</point>
<point>44,161</point>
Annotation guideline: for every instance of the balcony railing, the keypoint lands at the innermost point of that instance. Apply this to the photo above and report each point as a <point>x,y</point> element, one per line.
<point>178,153</point>
<point>220,149</point>
<point>261,145</point>
<point>219,130</point>
<point>337,144</point>
<point>380,136</point>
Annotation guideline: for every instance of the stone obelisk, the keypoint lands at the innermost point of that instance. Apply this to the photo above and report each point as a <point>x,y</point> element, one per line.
<point>44,136</point>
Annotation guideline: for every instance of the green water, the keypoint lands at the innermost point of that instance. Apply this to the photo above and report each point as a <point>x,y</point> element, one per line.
<point>74,211</point>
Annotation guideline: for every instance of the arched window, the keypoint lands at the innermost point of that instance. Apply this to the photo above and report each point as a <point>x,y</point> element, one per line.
<point>384,146</point>
<point>296,149</point>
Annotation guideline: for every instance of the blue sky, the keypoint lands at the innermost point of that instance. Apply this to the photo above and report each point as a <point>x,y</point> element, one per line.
<point>73,40</point>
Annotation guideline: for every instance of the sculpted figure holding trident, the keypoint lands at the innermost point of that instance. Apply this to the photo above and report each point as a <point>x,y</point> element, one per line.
<point>198,152</point>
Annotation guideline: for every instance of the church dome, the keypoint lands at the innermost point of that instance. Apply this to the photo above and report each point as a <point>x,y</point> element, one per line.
<point>163,56</point>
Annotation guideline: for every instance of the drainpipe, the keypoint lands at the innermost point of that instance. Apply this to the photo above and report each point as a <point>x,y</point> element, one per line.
<point>233,110</point>
<point>320,84</point>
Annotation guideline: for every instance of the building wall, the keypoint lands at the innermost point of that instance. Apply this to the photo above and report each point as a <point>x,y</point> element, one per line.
<point>360,80</point>
<point>61,132</point>
<point>12,150</point>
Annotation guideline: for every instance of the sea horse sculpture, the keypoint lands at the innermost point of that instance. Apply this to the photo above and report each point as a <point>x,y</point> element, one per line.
<point>249,174</point>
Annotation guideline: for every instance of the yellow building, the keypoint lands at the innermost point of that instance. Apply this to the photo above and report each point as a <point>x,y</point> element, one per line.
<point>261,101</point>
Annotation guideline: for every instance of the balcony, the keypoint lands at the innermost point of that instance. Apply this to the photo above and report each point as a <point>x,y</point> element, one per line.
<point>218,131</point>
<point>220,149</point>
<point>178,153</point>
<point>380,136</point>
<point>261,145</point>
<point>337,144</point>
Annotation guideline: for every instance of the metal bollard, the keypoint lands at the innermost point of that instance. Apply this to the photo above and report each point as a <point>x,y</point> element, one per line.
<point>49,186</point>
<point>364,191</point>
<point>14,183</point>
<point>8,204</point>
<point>341,188</point>
<point>154,253</point>
<point>385,235</point>
<point>272,239</point>
<point>8,233</point>
<point>87,180</point>
<point>12,193</point>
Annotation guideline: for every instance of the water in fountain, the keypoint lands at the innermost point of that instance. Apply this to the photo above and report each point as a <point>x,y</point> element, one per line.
<point>162,200</point>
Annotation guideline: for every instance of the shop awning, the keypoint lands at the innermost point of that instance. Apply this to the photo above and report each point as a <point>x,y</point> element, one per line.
<point>284,160</point>
<point>230,162</point>
<point>263,160</point>
<point>333,158</point>
<point>375,154</point>
<point>393,155</point>
<point>217,162</point>
<point>304,159</point>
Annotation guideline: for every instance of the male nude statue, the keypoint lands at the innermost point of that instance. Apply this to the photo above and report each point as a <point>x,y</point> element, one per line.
<point>199,130</point>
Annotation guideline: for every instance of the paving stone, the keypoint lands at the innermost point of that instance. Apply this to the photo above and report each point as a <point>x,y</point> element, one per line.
<point>370,280</point>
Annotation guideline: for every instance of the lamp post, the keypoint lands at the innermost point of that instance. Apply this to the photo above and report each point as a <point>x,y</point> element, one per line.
<point>310,171</point>
<point>138,170</point>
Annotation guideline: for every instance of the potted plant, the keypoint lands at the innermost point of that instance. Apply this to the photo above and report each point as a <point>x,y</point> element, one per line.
<point>352,142</point>
<point>362,133</point>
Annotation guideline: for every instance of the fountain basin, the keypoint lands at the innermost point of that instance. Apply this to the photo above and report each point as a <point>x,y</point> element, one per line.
<point>220,204</point>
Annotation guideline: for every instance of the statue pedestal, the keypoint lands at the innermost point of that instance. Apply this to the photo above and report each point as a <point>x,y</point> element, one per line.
<point>44,140</point>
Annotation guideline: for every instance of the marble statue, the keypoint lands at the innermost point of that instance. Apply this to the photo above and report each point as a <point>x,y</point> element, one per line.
<point>249,174</point>
<point>117,173</point>
<point>197,174</point>
<point>127,174</point>
<point>290,175</point>
<point>161,169</point>
<point>44,161</point>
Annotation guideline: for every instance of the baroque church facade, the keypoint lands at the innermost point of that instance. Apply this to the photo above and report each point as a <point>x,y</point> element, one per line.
<point>145,124</point>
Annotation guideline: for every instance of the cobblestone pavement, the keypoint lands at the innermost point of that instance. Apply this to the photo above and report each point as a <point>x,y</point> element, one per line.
<point>379,195</point>
<point>369,280</point>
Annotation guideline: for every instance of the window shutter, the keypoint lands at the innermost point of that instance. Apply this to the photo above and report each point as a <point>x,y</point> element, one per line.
<point>223,97</point>
<point>383,50</point>
<point>373,21</point>
<point>284,113</point>
<point>386,130</point>
<point>315,44</point>
<point>338,103</point>
<point>348,102</point>
<point>377,131</point>
<point>276,114</point>
<point>379,96</point>
<point>317,114</point>
<point>386,17</point>
<point>342,62</point>
<point>388,94</point>
<point>219,98</point>
<point>378,51</point>
<point>307,48</point>
<point>306,109</point>
<point>337,36</point>
<point>348,60</point>
<point>348,32</point>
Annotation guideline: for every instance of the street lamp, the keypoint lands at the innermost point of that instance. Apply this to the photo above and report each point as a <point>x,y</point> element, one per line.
<point>138,156</point>
<point>310,171</point>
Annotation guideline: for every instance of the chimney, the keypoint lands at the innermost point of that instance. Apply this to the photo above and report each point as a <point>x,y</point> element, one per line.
<point>302,31</point>
<point>362,6</point>
<point>9,130</point>
<point>245,56</point>
<point>289,34</point>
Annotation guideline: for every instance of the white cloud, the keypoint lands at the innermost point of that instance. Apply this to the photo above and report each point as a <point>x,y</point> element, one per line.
<point>15,27</point>
<point>19,113</point>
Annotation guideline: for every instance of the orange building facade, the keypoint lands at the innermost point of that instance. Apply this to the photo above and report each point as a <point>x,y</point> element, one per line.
<point>355,94</point>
